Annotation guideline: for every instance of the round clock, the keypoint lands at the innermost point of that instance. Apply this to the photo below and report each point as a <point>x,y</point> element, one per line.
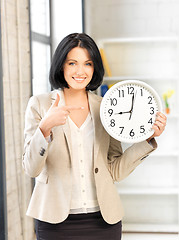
<point>128,111</point>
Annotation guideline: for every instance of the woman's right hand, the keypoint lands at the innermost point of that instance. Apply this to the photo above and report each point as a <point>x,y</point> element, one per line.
<point>55,116</point>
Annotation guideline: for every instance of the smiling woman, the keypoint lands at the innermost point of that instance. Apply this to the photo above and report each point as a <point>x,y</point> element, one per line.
<point>75,161</point>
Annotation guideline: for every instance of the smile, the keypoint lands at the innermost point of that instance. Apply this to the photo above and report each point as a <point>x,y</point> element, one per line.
<point>77,79</point>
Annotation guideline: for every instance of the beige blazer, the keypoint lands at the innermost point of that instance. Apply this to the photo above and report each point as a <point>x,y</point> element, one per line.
<point>50,163</point>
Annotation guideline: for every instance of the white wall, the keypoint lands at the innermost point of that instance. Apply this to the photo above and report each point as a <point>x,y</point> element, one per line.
<point>132,18</point>
<point>66,19</point>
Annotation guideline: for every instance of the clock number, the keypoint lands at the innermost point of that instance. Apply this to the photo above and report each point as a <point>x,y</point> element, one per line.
<point>150,121</point>
<point>152,110</point>
<point>132,133</point>
<point>141,91</point>
<point>130,90</point>
<point>113,101</point>
<point>121,93</point>
<point>110,111</point>
<point>142,129</point>
<point>122,128</point>
<point>150,100</point>
<point>112,123</point>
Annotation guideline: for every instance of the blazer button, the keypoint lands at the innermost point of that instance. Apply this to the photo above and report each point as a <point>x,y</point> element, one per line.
<point>42,151</point>
<point>96,170</point>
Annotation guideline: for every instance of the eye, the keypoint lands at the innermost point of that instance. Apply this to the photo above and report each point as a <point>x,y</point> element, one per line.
<point>89,64</point>
<point>71,63</point>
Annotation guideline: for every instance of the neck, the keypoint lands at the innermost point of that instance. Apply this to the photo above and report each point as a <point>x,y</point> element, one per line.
<point>74,94</point>
<point>78,98</point>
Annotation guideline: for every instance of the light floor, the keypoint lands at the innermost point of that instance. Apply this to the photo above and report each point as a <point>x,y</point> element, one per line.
<point>148,236</point>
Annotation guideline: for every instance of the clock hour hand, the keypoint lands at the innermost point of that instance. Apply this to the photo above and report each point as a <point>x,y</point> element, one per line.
<point>123,112</point>
<point>133,98</point>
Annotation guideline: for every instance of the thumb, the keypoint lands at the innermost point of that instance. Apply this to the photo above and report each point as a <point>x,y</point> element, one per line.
<point>55,104</point>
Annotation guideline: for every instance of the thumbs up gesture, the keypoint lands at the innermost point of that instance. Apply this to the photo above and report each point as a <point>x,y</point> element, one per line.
<point>57,100</point>
<point>56,116</point>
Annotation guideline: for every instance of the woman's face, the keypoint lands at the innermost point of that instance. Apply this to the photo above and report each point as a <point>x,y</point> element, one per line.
<point>78,68</point>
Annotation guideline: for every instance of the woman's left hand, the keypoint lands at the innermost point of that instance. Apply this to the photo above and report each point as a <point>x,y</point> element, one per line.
<point>159,125</point>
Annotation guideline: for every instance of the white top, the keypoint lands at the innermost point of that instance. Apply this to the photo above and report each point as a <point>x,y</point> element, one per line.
<point>84,199</point>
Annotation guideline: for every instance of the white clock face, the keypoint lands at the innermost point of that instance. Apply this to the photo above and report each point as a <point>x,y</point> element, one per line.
<point>128,111</point>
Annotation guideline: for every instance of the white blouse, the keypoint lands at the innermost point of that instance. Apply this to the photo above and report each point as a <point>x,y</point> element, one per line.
<point>84,199</point>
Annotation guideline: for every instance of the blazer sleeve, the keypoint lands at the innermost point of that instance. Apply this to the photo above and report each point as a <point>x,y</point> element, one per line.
<point>35,145</point>
<point>121,164</point>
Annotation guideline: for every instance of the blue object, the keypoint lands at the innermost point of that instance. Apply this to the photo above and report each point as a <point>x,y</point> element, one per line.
<point>104,89</point>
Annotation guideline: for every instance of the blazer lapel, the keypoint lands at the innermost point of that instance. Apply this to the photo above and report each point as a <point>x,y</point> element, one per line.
<point>66,127</point>
<point>94,104</point>
<point>95,112</point>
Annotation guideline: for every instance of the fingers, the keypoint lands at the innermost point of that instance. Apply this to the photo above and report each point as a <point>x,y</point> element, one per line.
<point>59,114</point>
<point>159,124</point>
<point>66,108</point>
<point>55,104</point>
<point>161,119</point>
<point>64,119</point>
<point>162,116</point>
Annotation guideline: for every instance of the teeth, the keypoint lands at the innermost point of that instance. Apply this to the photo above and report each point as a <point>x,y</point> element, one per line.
<point>79,79</point>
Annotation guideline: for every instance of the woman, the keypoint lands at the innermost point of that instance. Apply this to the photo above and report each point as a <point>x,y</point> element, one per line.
<point>74,160</point>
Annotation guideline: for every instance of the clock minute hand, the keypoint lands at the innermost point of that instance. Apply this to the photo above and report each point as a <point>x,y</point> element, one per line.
<point>132,106</point>
<point>132,102</point>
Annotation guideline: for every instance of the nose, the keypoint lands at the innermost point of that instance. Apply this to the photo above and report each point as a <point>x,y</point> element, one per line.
<point>79,70</point>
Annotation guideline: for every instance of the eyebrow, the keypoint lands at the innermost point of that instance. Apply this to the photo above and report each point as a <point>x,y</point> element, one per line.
<point>77,61</point>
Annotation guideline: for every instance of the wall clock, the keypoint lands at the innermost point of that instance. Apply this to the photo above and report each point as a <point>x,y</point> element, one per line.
<point>128,111</point>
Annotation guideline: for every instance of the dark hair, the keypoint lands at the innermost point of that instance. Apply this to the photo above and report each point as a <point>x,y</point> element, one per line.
<point>71,41</point>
